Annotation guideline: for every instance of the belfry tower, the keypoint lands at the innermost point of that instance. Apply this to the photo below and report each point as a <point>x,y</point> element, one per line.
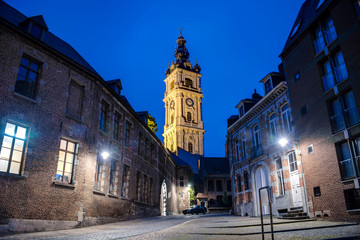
<point>184,127</point>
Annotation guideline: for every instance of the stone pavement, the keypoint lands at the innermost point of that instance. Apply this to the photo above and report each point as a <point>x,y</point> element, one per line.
<point>208,226</point>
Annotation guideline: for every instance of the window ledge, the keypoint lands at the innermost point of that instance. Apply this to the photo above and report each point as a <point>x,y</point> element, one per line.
<point>26,98</point>
<point>99,192</point>
<point>4,174</point>
<point>79,120</point>
<point>62,184</point>
<point>104,133</point>
<point>125,198</point>
<point>113,196</point>
<point>353,210</point>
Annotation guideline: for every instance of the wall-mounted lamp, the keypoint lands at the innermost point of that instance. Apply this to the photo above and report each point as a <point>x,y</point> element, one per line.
<point>105,155</point>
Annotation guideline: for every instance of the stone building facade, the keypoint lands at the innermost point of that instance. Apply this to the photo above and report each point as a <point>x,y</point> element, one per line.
<point>73,151</point>
<point>322,61</point>
<point>256,158</point>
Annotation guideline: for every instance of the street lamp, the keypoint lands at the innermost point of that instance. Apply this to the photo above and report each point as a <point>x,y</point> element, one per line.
<point>283,142</point>
<point>105,155</point>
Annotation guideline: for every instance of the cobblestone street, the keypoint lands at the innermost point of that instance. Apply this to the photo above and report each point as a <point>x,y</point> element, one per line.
<point>203,227</point>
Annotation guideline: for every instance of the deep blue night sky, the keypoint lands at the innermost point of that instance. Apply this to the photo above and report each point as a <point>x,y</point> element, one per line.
<point>236,43</point>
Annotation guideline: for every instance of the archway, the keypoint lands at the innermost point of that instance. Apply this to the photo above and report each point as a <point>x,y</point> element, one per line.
<point>163,196</point>
<point>261,180</point>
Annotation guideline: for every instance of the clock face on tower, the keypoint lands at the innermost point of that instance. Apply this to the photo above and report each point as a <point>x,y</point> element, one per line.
<point>189,102</point>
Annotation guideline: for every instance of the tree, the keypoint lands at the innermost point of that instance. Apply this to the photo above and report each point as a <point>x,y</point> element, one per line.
<point>152,123</point>
<point>192,196</point>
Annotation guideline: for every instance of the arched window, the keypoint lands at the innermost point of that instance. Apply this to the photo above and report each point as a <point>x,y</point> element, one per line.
<point>188,117</point>
<point>190,147</point>
<point>188,82</point>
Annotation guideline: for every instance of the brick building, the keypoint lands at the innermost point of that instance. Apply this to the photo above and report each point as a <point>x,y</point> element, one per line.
<point>256,158</point>
<point>321,58</point>
<point>72,147</point>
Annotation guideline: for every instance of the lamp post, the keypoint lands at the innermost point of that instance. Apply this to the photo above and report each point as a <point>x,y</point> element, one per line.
<point>283,142</point>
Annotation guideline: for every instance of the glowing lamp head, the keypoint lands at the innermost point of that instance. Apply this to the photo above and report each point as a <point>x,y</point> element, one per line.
<point>283,142</point>
<point>105,155</point>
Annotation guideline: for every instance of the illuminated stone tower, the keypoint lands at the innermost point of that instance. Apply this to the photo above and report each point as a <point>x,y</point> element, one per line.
<point>184,127</point>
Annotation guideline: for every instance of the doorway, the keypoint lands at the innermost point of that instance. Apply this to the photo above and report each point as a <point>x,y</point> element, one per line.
<point>163,196</point>
<point>261,180</point>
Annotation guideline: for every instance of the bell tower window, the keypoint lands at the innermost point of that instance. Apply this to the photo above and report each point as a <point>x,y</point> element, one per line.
<point>188,82</point>
<point>190,147</point>
<point>188,117</point>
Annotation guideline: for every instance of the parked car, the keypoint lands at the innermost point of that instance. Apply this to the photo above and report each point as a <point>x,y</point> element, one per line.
<point>196,209</point>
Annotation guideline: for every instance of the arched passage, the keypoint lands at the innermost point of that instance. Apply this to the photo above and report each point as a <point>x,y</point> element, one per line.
<point>261,180</point>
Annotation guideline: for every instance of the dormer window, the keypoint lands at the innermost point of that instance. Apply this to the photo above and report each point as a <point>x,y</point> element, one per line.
<point>268,86</point>
<point>242,111</point>
<point>117,89</point>
<point>35,30</point>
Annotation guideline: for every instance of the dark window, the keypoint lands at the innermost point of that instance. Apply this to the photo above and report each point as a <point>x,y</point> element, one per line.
<point>190,146</point>
<point>292,161</point>
<point>26,82</point>
<point>67,160</point>
<point>181,181</point>
<point>348,156</point>
<point>116,127</point>
<point>352,199</point>
<point>228,185</point>
<point>140,145</point>
<point>36,31</point>
<point>138,186</point>
<point>246,181</point>
<point>239,183</point>
<point>324,35</point>
<point>310,149</point>
<point>188,116</point>
<point>125,181</point>
<point>268,86</point>
<point>98,173</point>
<point>188,82</point>
<point>256,136</point>
<point>285,113</point>
<point>151,191</point>
<point>219,200</point>
<point>210,185</point>
<point>242,111</point>
<point>75,99</point>
<point>343,112</point>
<point>104,111</point>
<point>112,180</point>
<point>317,191</point>
<point>279,177</point>
<point>13,148</point>
<point>334,71</point>
<point>273,128</point>
<point>303,110</point>
<point>127,133</point>
<point>218,185</point>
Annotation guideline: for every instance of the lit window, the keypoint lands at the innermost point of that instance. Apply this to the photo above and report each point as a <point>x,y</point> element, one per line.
<point>12,148</point>
<point>67,160</point>
<point>26,82</point>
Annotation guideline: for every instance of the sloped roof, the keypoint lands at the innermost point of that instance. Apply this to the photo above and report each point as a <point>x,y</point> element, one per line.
<point>179,162</point>
<point>14,17</point>
<point>307,15</point>
<point>215,165</point>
